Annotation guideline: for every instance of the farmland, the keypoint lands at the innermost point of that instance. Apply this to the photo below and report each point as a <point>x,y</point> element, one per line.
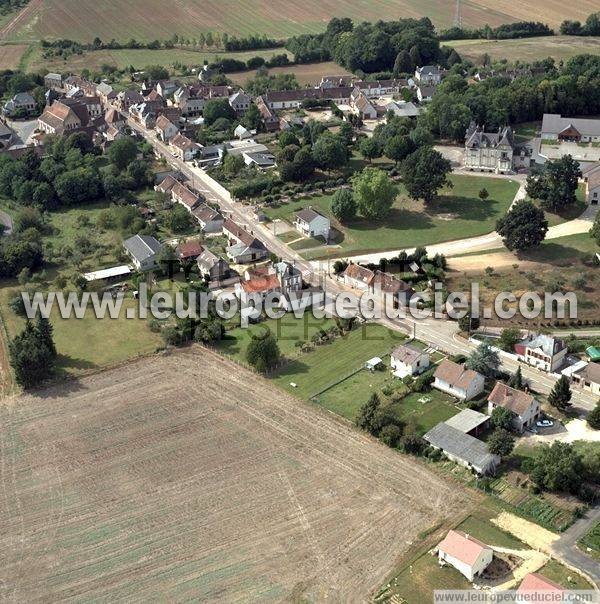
<point>10,55</point>
<point>187,477</point>
<point>85,19</point>
<point>527,49</point>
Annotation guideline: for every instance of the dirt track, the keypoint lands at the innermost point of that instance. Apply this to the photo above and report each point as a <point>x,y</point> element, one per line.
<point>186,477</point>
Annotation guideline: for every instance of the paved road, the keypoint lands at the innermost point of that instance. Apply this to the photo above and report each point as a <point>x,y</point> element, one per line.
<point>440,334</point>
<point>566,547</point>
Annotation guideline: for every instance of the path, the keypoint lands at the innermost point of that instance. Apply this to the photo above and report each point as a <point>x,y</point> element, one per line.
<point>566,546</point>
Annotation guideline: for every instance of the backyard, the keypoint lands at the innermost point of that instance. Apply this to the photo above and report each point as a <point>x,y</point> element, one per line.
<point>457,213</point>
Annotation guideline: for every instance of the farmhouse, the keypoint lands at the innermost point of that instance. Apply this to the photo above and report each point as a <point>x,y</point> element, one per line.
<point>489,151</point>
<point>408,360</point>
<point>311,223</point>
<point>570,129</point>
<point>524,407</point>
<point>465,553</point>
<point>210,220</point>
<point>462,448</point>
<point>142,249</point>
<point>588,378</point>
<point>458,381</point>
<point>362,105</point>
<point>542,351</point>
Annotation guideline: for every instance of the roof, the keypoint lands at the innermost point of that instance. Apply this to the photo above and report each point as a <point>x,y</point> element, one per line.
<point>374,362</point>
<point>359,273</point>
<point>390,284</point>
<point>184,195</point>
<point>463,547</point>
<point>547,344</point>
<point>456,375</point>
<point>535,582</point>
<point>162,123</point>
<point>553,123</point>
<point>460,445</point>
<point>514,400</point>
<point>106,273</point>
<point>593,352</point>
<point>427,91</point>
<point>261,159</point>
<point>245,237</point>
<point>593,178</point>
<point>591,373</point>
<point>467,420</point>
<point>204,213</point>
<point>190,249</point>
<point>261,284</point>
<point>428,70</point>
<point>308,215</point>
<point>182,142</point>
<point>112,116</point>
<point>208,259</point>
<point>142,247</point>
<point>477,137</point>
<point>405,353</point>
<point>167,184</point>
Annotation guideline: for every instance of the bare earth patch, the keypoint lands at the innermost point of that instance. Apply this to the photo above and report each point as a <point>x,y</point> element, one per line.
<point>532,534</point>
<point>186,477</point>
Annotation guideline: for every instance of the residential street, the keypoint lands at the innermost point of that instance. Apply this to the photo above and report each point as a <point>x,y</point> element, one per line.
<point>440,334</point>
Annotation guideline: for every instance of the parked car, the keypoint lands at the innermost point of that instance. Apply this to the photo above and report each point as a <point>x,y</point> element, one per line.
<point>544,423</point>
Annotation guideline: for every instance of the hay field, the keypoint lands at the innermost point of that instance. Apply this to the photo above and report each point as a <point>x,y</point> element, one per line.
<point>185,477</point>
<point>150,19</point>
<point>10,55</point>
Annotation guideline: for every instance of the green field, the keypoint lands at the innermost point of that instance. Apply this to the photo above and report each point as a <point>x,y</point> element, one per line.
<point>592,541</point>
<point>456,214</point>
<point>527,50</point>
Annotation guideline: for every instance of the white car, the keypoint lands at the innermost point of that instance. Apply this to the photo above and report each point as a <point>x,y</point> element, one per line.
<point>544,423</point>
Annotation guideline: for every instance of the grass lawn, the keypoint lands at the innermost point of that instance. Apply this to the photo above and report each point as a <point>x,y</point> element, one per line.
<point>526,131</point>
<point>456,214</point>
<point>558,573</point>
<point>570,213</point>
<point>425,409</point>
<point>592,541</point>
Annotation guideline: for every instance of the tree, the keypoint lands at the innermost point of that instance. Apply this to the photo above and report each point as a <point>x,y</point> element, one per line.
<point>179,219</point>
<point>556,468</point>
<point>217,108</point>
<point>424,173</point>
<point>593,417</point>
<point>232,165</point>
<point>483,194</point>
<point>402,64</point>
<point>399,147</point>
<point>484,360</point>
<point>122,152</point>
<point>44,331</point>
<point>252,118</point>
<point>167,260</point>
<point>468,323</point>
<point>365,419</point>
<point>516,380</point>
<point>374,192</point>
<point>502,418</point>
<point>523,227</point>
<point>330,152</point>
<point>501,443</point>
<point>390,435</point>
<point>287,138</point>
<point>370,148</point>
<point>343,205</point>
<point>263,352</point>
<point>560,395</point>
<point>508,338</point>
<point>556,186</point>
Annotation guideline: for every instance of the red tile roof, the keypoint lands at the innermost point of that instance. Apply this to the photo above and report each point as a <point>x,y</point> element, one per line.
<point>535,582</point>
<point>516,401</point>
<point>189,249</point>
<point>261,284</point>
<point>463,547</point>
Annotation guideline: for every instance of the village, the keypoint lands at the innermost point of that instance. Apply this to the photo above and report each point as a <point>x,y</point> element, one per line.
<point>266,190</point>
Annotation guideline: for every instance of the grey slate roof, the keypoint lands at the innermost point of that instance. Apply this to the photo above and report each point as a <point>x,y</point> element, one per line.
<point>308,215</point>
<point>460,445</point>
<point>142,247</point>
<point>477,137</point>
<point>467,420</point>
<point>553,123</point>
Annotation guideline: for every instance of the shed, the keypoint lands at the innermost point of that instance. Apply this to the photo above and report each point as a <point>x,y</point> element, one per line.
<point>373,364</point>
<point>468,421</point>
<point>593,353</point>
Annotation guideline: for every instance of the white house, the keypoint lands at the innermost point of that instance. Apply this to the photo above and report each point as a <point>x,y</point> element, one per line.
<point>425,93</point>
<point>544,352</point>
<point>183,147</point>
<point>165,128</point>
<point>142,249</point>
<point>592,186</point>
<point>428,74</point>
<point>524,407</point>
<point>458,381</point>
<point>312,224</point>
<point>467,555</point>
<point>408,360</point>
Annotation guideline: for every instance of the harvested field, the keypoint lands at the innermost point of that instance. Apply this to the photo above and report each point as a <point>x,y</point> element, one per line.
<point>305,74</point>
<point>152,19</point>
<point>186,477</point>
<point>10,55</point>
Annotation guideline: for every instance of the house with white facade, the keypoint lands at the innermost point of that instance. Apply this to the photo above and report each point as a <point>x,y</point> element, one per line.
<point>430,75</point>
<point>165,128</point>
<point>142,249</point>
<point>570,129</point>
<point>588,378</point>
<point>311,223</point>
<point>467,555</point>
<point>524,407</point>
<point>456,380</point>
<point>489,151</point>
<point>545,352</point>
<point>408,360</point>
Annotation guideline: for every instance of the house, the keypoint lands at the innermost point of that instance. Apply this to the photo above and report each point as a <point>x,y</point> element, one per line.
<point>311,223</point>
<point>428,75</point>
<point>358,276</point>
<point>53,81</point>
<point>289,275</point>
<point>142,249</point>
<point>189,250</point>
<point>241,133</point>
<point>244,247</point>
<point>183,147</point>
<point>166,185</point>
<point>542,351</point>
<point>292,99</point>
<point>165,129</point>
<point>362,105</point>
<point>61,118</point>
<point>469,421</point>
<point>113,118</point>
<point>408,360</point>
<point>74,81</point>
<point>264,161</point>
<point>592,186</point>
<point>462,448</point>
<point>22,103</point>
<point>380,88</point>
<point>467,555</point>
<point>588,378</point>
<point>187,198</point>
<point>165,88</point>
<point>403,109</point>
<point>7,136</point>
<point>258,287</point>
<point>106,93</point>
<point>570,129</point>
<point>425,93</point>
<point>240,102</point>
<point>534,584</point>
<point>212,267</point>
<point>489,151</point>
<point>126,98</point>
<point>270,120</point>
<point>210,220</point>
<point>524,407</point>
<point>386,284</point>
<point>456,380</point>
